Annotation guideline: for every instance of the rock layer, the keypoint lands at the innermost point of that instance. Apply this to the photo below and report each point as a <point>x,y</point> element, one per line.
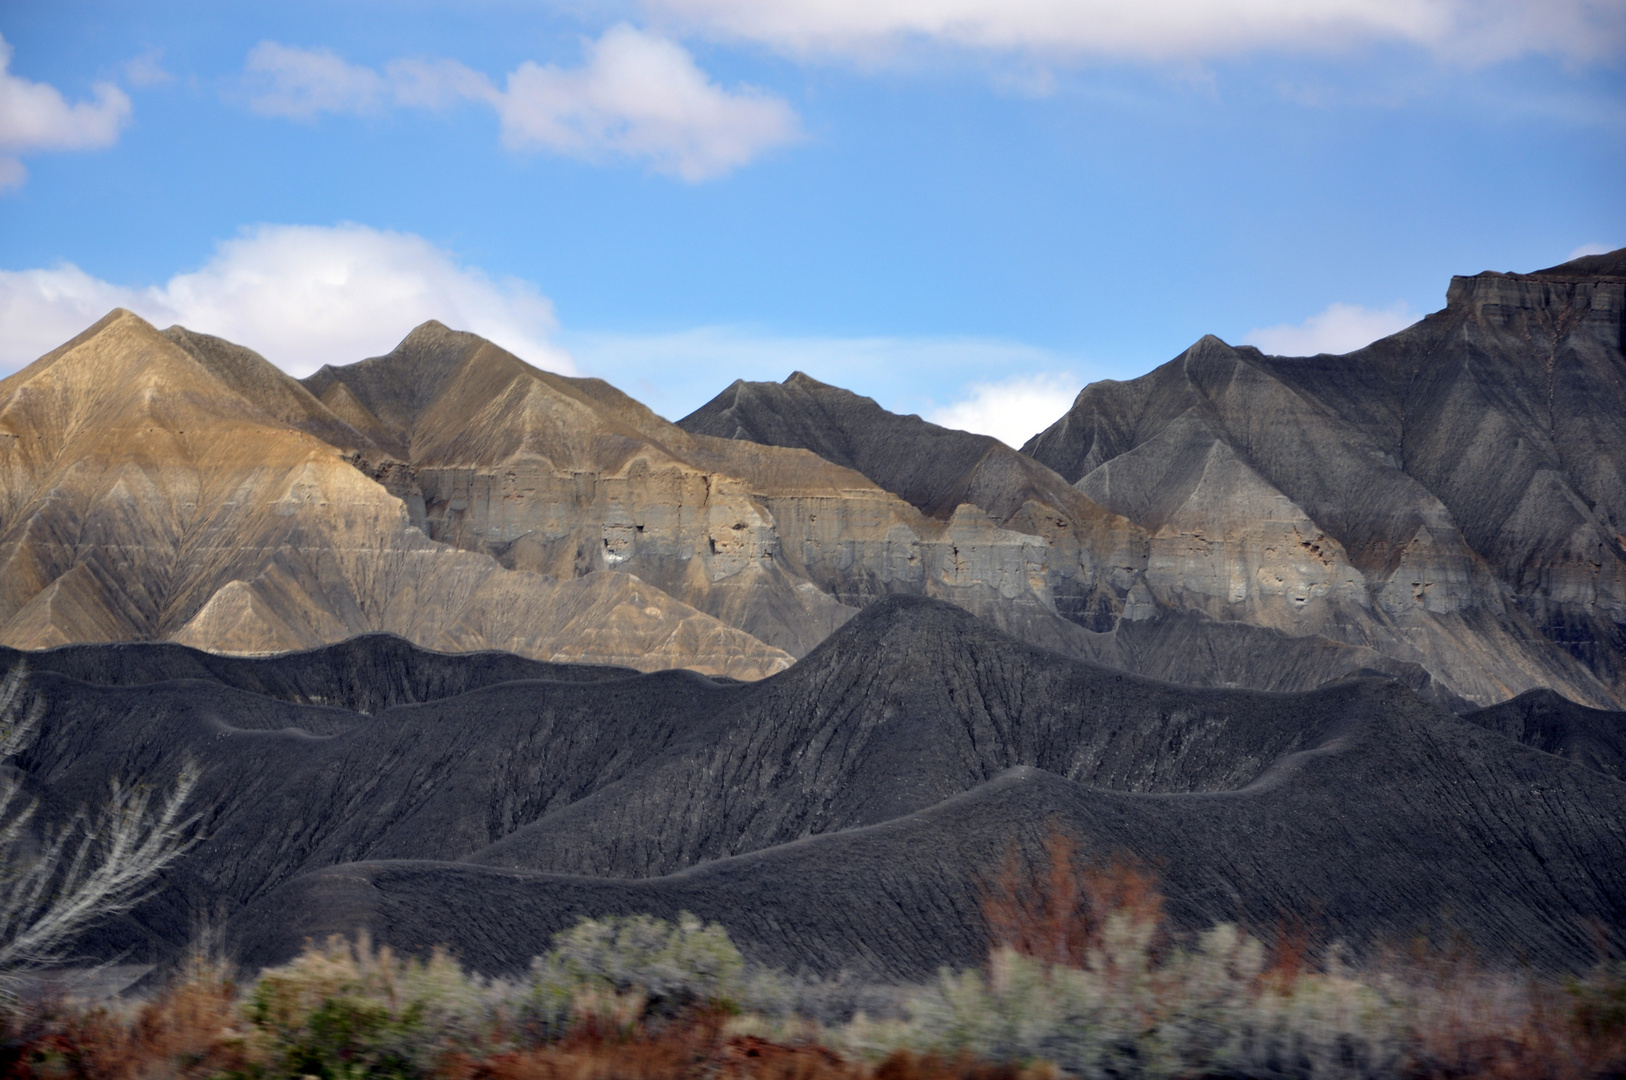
<point>175,487</point>
<point>1450,496</point>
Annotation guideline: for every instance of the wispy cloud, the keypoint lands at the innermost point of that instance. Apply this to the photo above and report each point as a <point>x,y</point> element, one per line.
<point>36,117</point>
<point>1473,31</point>
<point>1593,248</point>
<point>1012,410</point>
<point>147,69</point>
<point>301,295</point>
<point>1338,328</point>
<point>636,96</point>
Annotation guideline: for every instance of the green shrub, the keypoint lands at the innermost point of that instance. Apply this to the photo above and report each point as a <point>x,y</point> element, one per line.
<point>1131,1012</point>
<point>343,1010</point>
<point>624,969</point>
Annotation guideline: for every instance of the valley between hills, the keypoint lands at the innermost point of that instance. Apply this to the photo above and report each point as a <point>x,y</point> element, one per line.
<point>465,650</point>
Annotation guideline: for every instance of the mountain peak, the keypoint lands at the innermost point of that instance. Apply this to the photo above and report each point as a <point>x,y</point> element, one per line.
<point>800,380</point>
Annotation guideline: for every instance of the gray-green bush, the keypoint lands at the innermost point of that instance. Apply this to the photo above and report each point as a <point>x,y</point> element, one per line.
<point>1198,1011</point>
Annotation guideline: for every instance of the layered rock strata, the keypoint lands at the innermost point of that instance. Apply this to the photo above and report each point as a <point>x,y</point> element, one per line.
<point>1450,496</point>
<point>166,486</point>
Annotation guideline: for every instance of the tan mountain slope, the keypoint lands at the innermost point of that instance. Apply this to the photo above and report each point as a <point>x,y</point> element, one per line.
<point>566,476</point>
<point>170,486</point>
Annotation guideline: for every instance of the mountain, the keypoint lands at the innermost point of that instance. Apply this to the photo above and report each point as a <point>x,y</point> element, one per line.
<point>1125,621</point>
<point>835,815</point>
<point>1444,506</point>
<point>1452,495</point>
<point>172,486</point>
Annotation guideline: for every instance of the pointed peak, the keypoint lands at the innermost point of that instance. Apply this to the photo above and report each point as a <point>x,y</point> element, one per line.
<point>800,380</point>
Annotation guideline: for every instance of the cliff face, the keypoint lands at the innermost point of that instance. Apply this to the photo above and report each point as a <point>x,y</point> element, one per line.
<point>1450,496</point>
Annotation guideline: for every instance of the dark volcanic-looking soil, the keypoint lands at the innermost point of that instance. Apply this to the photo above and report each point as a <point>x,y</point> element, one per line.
<point>837,815</point>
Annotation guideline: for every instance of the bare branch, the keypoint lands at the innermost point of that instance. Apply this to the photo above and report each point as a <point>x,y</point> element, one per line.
<point>53,887</point>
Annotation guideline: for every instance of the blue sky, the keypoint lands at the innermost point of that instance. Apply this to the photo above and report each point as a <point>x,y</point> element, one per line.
<point>964,208</point>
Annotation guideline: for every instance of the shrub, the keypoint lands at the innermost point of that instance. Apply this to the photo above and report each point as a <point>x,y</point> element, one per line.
<point>56,882</point>
<point>348,1010</point>
<point>619,971</point>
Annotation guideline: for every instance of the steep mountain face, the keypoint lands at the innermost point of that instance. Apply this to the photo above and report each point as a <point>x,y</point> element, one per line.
<point>564,475</point>
<point>1014,542</point>
<point>1444,507</point>
<point>838,814</point>
<point>1451,496</point>
<point>170,486</point>
<point>1123,621</point>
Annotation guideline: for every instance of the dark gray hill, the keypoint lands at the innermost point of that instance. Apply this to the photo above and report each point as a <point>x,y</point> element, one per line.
<point>778,789</point>
<point>1595,738</point>
<point>1353,835</point>
<point>363,674</point>
<point>935,468</point>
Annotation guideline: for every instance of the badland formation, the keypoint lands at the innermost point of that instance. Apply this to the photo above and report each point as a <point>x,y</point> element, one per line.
<point>466,649</point>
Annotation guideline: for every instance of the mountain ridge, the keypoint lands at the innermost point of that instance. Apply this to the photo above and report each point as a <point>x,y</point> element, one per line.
<point>836,815</point>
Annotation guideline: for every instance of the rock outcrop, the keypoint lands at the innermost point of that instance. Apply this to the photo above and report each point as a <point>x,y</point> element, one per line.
<point>1446,507</point>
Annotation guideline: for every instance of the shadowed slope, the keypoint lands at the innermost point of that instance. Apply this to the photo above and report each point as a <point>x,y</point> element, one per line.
<point>1353,836</point>
<point>796,782</point>
<point>1595,738</point>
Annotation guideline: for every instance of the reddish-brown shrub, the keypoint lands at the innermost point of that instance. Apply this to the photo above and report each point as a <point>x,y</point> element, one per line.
<point>1055,909</point>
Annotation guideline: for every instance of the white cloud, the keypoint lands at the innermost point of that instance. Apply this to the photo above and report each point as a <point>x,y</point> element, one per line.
<point>35,117</point>
<point>147,69</point>
<point>637,95</point>
<point>302,83</point>
<point>1584,250</point>
<point>642,96</point>
<point>1469,30</point>
<point>1337,329</point>
<point>301,295</point>
<point>1012,411</point>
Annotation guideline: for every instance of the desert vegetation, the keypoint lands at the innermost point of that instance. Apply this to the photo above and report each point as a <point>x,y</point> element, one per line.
<point>1084,978</point>
<point>58,879</point>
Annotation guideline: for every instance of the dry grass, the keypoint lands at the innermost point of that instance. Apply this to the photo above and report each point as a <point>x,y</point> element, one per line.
<point>1082,977</point>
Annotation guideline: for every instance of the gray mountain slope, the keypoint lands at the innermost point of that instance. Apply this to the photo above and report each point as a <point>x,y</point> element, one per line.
<point>1595,738</point>
<point>1350,835</point>
<point>1467,470</point>
<point>775,793</point>
<point>938,469</point>
<point>935,468</point>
